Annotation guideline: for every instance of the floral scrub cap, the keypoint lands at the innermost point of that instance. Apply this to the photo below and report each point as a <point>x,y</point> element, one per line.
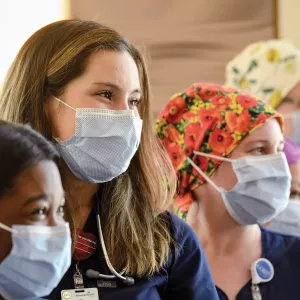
<point>267,69</point>
<point>208,118</point>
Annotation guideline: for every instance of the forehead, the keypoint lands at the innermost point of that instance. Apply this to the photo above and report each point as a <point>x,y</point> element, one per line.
<point>114,67</point>
<point>270,132</point>
<point>43,178</point>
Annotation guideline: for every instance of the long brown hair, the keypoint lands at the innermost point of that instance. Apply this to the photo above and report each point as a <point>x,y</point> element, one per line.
<point>136,234</point>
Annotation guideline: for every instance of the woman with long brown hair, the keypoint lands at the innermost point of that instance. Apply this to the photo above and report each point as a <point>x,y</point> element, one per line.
<point>85,87</point>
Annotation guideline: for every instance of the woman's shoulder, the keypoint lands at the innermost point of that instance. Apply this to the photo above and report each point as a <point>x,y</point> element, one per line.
<point>283,252</point>
<point>187,261</point>
<point>181,232</point>
<point>280,239</point>
<point>281,246</point>
<point>185,249</point>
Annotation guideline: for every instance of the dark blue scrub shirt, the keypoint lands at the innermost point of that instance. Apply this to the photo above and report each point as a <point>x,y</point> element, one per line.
<point>283,252</point>
<point>185,276</point>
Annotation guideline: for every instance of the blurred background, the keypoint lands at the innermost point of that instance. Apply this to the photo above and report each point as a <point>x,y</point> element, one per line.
<point>184,41</point>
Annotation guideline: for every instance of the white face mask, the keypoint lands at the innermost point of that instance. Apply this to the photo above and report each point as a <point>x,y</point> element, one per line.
<point>288,222</point>
<point>39,258</point>
<point>103,145</point>
<point>262,189</point>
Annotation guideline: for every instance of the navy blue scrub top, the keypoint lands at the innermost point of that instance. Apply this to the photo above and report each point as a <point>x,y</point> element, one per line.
<point>186,275</point>
<point>283,252</point>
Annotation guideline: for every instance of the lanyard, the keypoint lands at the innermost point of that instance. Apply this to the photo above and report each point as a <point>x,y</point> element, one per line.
<point>85,246</point>
<point>262,270</point>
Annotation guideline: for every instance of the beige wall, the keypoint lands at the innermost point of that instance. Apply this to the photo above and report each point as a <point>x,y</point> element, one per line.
<point>185,41</point>
<point>289,20</point>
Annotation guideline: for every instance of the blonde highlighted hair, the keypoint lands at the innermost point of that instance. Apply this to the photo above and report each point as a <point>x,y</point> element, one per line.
<point>136,232</point>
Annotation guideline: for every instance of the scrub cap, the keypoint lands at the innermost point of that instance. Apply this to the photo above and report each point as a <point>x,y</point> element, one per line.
<point>208,118</point>
<point>267,69</point>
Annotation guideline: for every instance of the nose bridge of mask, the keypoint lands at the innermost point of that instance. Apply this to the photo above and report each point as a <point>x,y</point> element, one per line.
<point>263,164</point>
<point>236,163</point>
<point>44,230</point>
<point>64,103</point>
<point>259,167</point>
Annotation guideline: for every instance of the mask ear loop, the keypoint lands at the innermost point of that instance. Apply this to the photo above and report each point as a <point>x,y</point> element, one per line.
<point>214,156</point>
<point>64,103</point>
<point>217,188</point>
<point>204,175</point>
<point>4,227</point>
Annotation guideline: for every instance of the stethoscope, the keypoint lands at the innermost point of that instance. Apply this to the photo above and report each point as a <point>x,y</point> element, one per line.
<point>93,274</point>
<point>262,270</point>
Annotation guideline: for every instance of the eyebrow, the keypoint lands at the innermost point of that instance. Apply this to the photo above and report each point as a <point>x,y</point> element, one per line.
<point>114,86</point>
<point>42,197</point>
<point>263,142</point>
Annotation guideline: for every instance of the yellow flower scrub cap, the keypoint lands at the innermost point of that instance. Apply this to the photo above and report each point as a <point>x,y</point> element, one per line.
<point>267,69</point>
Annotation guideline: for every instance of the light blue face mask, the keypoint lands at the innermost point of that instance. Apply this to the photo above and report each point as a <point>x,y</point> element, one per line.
<point>39,258</point>
<point>103,145</point>
<point>262,189</point>
<point>288,222</point>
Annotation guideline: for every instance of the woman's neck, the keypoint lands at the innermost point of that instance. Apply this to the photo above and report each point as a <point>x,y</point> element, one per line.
<point>80,197</point>
<point>230,248</point>
<point>80,192</point>
<point>219,234</point>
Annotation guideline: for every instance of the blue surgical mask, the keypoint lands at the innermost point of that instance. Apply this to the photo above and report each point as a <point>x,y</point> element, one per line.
<point>39,258</point>
<point>262,189</point>
<point>103,145</point>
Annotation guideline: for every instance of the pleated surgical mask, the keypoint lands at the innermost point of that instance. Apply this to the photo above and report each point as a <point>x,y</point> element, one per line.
<point>39,258</point>
<point>103,145</point>
<point>262,189</point>
<point>288,221</point>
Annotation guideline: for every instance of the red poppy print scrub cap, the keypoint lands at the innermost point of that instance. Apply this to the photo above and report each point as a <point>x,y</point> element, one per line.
<point>207,118</point>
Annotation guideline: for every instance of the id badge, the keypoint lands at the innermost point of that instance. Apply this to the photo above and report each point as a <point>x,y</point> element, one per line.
<point>80,294</point>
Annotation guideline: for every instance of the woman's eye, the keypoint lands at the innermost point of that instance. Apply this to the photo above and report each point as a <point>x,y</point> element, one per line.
<point>61,210</point>
<point>106,94</point>
<point>42,211</point>
<point>258,150</point>
<point>135,102</point>
<point>295,194</point>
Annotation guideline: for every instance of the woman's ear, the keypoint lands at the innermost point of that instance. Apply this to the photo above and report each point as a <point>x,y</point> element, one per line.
<point>171,208</point>
<point>51,107</point>
<point>193,213</point>
<point>193,217</point>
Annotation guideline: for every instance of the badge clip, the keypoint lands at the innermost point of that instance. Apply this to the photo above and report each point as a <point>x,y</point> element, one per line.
<point>78,278</point>
<point>262,270</point>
